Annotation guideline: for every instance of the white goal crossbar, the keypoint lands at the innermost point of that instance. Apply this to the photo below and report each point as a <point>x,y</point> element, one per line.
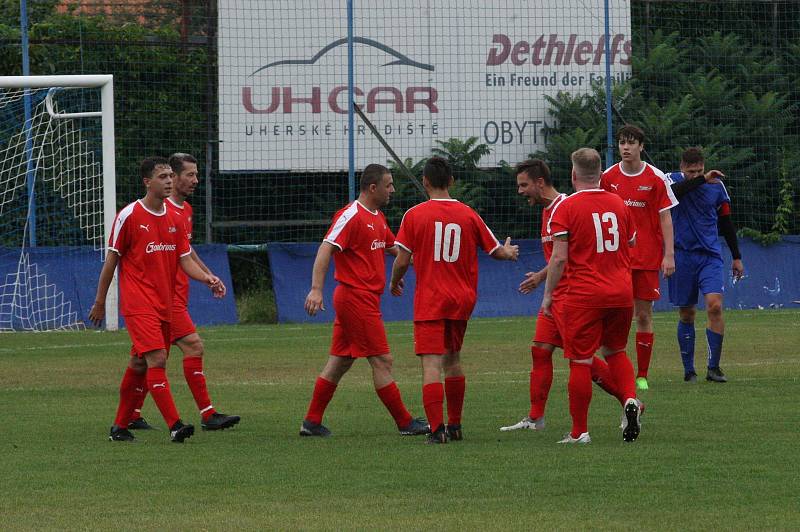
<point>106,85</point>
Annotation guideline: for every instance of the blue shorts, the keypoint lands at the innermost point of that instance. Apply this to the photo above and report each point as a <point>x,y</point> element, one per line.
<point>695,272</point>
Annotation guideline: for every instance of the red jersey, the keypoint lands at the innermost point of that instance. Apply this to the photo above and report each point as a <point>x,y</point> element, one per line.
<point>149,246</point>
<point>184,213</point>
<point>444,235</point>
<point>646,194</point>
<point>599,227</point>
<point>362,237</point>
<point>547,244</point>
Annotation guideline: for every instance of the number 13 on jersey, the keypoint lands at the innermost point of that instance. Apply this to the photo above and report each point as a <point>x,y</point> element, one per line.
<point>612,230</point>
<point>446,242</point>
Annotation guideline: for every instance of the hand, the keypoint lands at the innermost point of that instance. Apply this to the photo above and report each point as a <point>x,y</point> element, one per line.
<point>737,268</point>
<point>714,176</point>
<point>531,282</point>
<point>511,252</point>
<point>219,290</point>
<point>97,313</point>
<point>547,303</point>
<point>668,265</point>
<point>314,302</point>
<point>215,284</point>
<point>397,288</point>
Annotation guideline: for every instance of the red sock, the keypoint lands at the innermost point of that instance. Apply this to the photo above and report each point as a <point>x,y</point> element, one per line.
<point>158,385</point>
<point>128,396</point>
<point>601,375</point>
<point>391,399</point>
<point>432,400</point>
<point>580,395</point>
<point>541,380</point>
<point>141,394</point>
<point>622,370</point>
<point>454,390</point>
<point>323,392</point>
<point>193,371</point>
<point>644,352</point>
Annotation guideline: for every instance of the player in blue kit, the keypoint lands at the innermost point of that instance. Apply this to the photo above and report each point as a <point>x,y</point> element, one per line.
<point>703,213</point>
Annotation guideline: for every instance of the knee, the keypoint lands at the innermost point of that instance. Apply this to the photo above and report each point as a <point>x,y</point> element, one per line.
<point>157,359</point>
<point>687,315</point>
<point>714,310</point>
<point>192,347</point>
<point>382,364</point>
<point>138,365</point>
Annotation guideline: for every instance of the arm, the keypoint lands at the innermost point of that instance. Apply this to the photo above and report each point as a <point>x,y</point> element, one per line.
<point>555,269</point>
<point>98,310</point>
<point>532,280</point>
<point>399,269</point>
<point>314,301</point>
<point>194,271</point>
<point>682,188</point>
<point>728,231</point>
<point>392,251</point>
<point>668,263</point>
<point>506,251</point>
<point>222,289</point>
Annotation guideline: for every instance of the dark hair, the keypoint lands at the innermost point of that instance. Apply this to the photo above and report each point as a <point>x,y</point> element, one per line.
<point>692,156</point>
<point>372,175</point>
<point>148,165</point>
<point>177,160</point>
<point>535,168</point>
<point>631,132</point>
<point>438,172</point>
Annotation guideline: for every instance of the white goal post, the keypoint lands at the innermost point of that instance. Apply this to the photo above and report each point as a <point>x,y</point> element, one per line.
<point>106,115</point>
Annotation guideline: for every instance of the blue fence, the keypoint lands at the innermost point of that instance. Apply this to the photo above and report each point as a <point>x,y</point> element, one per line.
<point>772,280</point>
<point>76,274</point>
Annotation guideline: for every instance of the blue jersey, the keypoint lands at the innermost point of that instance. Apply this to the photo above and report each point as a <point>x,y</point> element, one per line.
<point>694,219</point>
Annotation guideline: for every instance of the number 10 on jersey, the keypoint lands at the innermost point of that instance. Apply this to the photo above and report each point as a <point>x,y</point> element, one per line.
<point>446,242</point>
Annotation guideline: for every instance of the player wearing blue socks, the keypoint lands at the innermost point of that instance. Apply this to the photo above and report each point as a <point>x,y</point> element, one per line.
<point>703,212</point>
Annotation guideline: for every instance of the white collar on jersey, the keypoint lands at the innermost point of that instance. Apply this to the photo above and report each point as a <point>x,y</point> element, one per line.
<point>162,213</point>
<point>169,199</point>
<point>644,165</point>
<point>443,199</point>
<point>366,208</point>
<point>559,196</point>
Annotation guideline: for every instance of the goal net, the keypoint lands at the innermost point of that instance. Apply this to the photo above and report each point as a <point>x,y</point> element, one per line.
<point>56,199</point>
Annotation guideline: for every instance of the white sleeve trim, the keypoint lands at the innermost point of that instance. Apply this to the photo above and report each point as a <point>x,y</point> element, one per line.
<point>498,246</point>
<point>331,242</point>
<point>400,244</point>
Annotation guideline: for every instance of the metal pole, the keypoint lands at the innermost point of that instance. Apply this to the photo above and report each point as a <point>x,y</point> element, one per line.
<point>209,192</point>
<point>109,194</point>
<point>609,131</point>
<point>30,172</point>
<point>351,116</point>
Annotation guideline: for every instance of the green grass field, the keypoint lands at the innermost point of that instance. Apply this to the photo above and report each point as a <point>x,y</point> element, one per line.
<point>709,456</point>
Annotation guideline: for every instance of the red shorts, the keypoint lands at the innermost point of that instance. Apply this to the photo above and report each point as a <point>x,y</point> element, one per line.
<point>438,337</point>
<point>148,333</point>
<point>358,326</point>
<point>646,285</point>
<point>181,324</point>
<point>546,328</point>
<point>586,329</point>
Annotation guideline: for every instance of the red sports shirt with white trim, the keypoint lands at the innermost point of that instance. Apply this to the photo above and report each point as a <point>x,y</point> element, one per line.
<point>184,213</point>
<point>598,226</point>
<point>362,237</point>
<point>547,245</point>
<point>646,194</point>
<point>443,236</point>
<point>149,246</point>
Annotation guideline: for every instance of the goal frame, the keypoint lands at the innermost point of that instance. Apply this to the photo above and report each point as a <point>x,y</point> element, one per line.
<point>105,82</point>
